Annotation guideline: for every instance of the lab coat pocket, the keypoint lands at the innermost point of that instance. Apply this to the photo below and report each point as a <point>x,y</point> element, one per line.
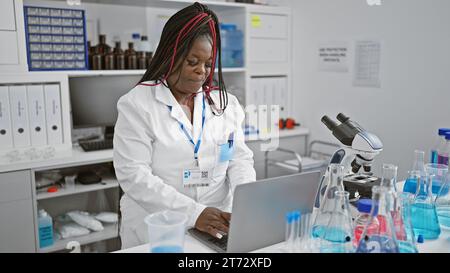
<point>223,156</point>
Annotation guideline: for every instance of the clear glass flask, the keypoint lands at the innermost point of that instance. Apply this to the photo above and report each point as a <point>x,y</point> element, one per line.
<point>405,232</point>
<point>380,239</point>
<point>338,235</point>
<point>418,166</point>
<point>423,210</point>
<point>335,183</point>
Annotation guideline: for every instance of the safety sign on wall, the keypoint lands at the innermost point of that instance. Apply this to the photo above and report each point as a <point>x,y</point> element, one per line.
<point>333,57</point>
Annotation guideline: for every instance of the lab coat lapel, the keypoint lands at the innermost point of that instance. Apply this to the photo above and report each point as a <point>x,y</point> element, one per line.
<point>165,96</point>
<point>197,121</point>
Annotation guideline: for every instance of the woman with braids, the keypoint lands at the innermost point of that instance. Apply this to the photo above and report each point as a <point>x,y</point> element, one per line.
<point>178,141</point>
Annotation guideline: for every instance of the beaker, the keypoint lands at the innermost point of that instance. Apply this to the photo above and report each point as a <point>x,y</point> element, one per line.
<point>423,210</point>
<point>338,234</point>
<point>443,204</point>
<point>440,172</point>
<point>166,231</point>
<point>334,183</point>
<point>379,239</point>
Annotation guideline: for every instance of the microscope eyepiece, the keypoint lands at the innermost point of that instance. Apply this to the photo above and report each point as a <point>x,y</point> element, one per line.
<point>331,124</point>
<point>342,118</point>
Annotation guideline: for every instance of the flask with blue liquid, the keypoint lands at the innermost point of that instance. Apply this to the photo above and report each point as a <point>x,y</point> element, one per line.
<point>423,209</point>
<point>334,183</point>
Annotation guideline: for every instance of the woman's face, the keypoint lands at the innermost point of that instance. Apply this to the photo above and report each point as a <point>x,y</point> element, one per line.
<point>194,69</point>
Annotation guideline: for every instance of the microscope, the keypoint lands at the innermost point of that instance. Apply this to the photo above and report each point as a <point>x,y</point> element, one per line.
<point>357,154</point>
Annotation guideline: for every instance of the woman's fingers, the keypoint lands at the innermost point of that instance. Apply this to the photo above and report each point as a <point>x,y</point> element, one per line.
<point>214,232</point>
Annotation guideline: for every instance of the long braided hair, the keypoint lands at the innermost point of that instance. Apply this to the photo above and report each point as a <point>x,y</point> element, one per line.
<point>177,37</point>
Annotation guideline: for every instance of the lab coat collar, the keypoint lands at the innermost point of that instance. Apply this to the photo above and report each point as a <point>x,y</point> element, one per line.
<point>165,96</point>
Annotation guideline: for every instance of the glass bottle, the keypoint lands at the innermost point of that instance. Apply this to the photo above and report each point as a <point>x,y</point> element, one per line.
<point>363,218</point>
<point>119,57</point>
<point>130,57</point>
<point>379,240</point>
<point>335,183</point>
<point>109,60</point>
<point>338,235</point>
<point>141,60</point>
<point>102,46</point>
<point>91,52</point>
<point>97,60</point>
<point>423,210</point>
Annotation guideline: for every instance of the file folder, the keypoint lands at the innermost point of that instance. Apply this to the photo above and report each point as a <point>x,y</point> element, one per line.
<point>53,114</point>
<point>19,116</point>
<point>6,138</point>
<point>36,111</point>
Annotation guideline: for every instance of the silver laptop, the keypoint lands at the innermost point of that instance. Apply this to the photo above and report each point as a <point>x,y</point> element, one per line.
<point>259,208</point>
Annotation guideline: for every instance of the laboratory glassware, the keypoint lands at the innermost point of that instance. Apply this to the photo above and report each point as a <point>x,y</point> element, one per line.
<point>380,239</point>
<point>335,183</point>
<point>338,234</point>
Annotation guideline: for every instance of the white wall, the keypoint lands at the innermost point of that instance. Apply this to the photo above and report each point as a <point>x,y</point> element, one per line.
<point>414,98</point>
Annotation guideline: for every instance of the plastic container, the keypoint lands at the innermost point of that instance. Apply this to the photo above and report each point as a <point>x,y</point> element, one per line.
<point>440,143</point>
<point>444,153</point>
<point>45,229</point>
<point>166,231</point>
<point>232,45</point>
<point>364,208</point>
<point>136,39</point>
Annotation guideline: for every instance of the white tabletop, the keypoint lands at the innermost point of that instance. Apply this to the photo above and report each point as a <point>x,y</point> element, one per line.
<point>192,245</point>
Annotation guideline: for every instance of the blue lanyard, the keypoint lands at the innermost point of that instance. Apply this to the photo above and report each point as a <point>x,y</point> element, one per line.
<point>199,141</point>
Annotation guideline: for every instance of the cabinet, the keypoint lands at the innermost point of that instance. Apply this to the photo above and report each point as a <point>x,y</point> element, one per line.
<point>12,36</point>
<point>16,212</point>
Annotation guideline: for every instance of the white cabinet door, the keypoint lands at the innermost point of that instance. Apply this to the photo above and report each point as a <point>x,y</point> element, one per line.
<point>8,47</point>
<point>7,17</point>
<point>268,26</point>
<point>16,213</point>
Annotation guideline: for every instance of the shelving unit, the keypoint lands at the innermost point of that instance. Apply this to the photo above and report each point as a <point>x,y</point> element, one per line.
<point>106,183</point>
<point>110,231</point>
<point>260,37</point>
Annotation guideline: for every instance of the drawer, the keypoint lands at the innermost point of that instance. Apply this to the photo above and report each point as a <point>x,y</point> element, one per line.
<point>8,48</point>
<point>268,25</point>
<point>15,186</point>
<point>268,50</point>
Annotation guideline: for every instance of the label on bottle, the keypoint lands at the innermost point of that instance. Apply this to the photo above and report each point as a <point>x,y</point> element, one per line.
<point>377,244</point>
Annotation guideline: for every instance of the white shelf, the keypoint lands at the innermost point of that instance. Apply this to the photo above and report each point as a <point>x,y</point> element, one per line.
<point>110,231</point>
<point>106,183</point>
<point>137,72</point>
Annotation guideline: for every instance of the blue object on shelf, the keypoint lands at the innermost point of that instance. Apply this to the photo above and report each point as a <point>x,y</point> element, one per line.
<point>55,39</point>
<point>232,42</point>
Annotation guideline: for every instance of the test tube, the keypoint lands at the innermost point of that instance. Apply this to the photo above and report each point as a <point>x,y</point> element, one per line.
<point>289,231</point>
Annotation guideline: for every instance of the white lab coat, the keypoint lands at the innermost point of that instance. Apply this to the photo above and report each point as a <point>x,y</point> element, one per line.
<point>151,152</point>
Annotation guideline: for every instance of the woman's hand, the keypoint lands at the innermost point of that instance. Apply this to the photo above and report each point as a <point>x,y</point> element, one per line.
<point>213,221</point>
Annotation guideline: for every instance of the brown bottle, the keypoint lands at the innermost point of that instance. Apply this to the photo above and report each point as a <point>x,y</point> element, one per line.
<point>130,57</point>
<point>97,60</point>
<point>149,57</point>
<point>109,60</point>
<point>119,57</point>
<point>90,53</point>
<point>102,46</point>
<point>142,60</point>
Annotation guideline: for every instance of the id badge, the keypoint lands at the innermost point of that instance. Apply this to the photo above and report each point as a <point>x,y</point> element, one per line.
<point>195,178</point>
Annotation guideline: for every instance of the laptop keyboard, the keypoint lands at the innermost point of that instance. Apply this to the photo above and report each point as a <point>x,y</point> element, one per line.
<point>217,244</point>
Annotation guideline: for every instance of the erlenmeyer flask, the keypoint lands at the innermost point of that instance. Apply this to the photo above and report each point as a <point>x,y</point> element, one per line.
<point>423,210</point>
<point>379,239</point>
<point>335,183</point>
<point>338,235</point>
<point>405,233</point>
